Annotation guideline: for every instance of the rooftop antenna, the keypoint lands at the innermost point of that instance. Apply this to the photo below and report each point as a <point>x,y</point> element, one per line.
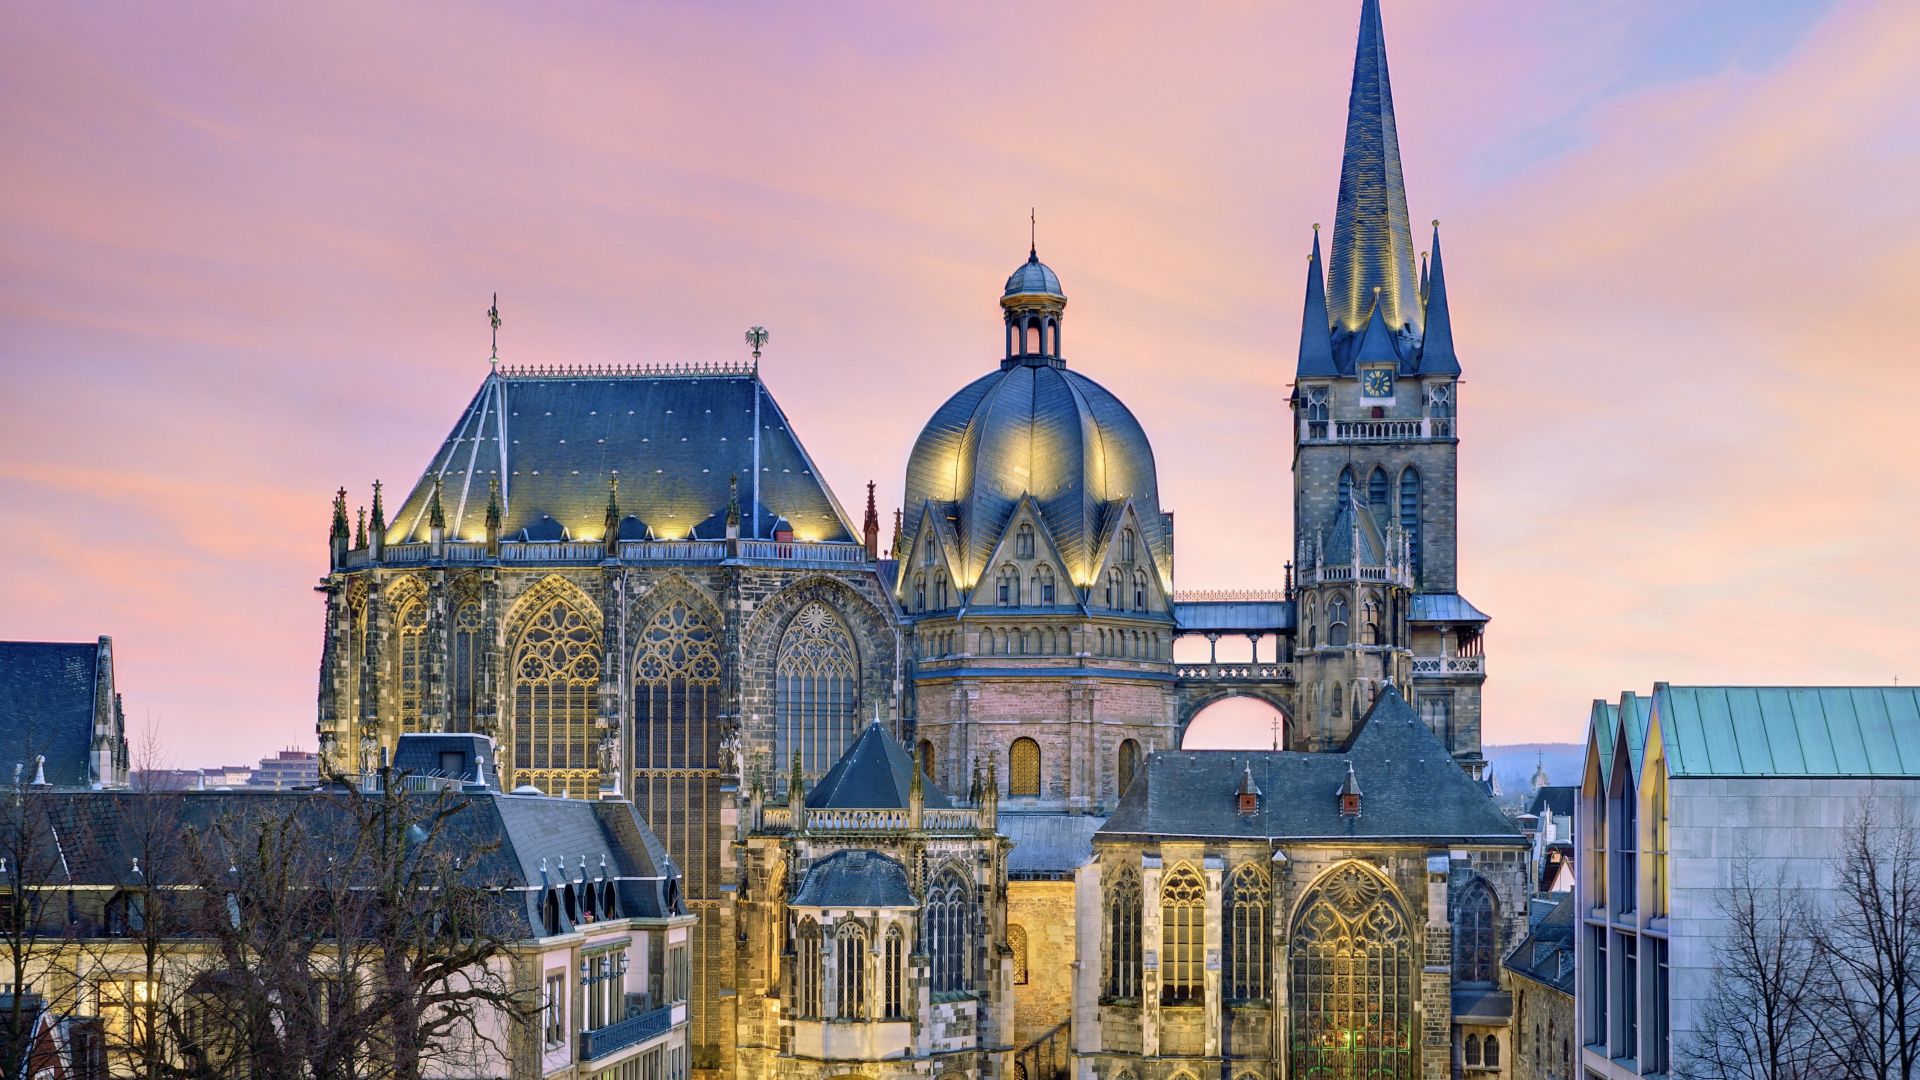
<point>493,316</point>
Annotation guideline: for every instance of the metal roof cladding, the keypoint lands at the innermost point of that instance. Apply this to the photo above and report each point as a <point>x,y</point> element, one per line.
<point>1765,731</point>
<point>673,438</point>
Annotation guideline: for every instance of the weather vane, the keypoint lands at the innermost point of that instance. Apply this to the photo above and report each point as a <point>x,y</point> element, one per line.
<point>493,316</point>
<point>757,337</point>
<point>1033,229</point>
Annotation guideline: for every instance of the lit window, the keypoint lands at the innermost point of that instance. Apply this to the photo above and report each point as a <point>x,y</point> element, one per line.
<point>1351,980</point>
<point>1183,899</point>
<point>1123,936</point>
<point>1023,775</point>
<point>1475,935</point>
<point>1247,893</point>
<point>850,970</point>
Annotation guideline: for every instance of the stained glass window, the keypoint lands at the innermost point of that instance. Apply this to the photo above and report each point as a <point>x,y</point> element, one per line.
<point>1129,761</point>
<point>815,683</point>
<point>1123,936</point>
<point>1017,944</point>
<point>806,971</point>
<point>467,631</point>
<point>850,970</point>
<point>409,602</point>
<point>896,973</point>
<point>1475,935</point>
<point>556,691</point>
<point>1023,774</point>
<point>1351,983</point>
<point>945,929</point>
<point>1410,513</point>
<point>1183,918</point>
<point>1247,951</point>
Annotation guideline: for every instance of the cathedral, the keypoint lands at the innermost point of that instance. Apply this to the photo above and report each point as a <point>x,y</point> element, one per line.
<point>928,793</point>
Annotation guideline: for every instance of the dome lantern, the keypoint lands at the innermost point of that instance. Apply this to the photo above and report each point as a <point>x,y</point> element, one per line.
<point>1032,304</point>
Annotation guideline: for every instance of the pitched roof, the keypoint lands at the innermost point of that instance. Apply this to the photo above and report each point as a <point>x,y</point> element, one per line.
<point>876,773</point>
<point>1558,798</point>
<point>1048,845</point>
<point>1436,347</point>
<point>1546,956</point>
<point>1415,791</point>
<point>855,877</point>
<point>1788,730</point>
<point>1372,236</point>
<point>1342,535</point>
<point>1444,607</point>
<point>47,706</point>
<point>674,439</point>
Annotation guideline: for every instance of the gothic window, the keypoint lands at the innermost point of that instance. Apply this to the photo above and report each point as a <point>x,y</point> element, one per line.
<point>1009,585</point>
<point>1410,514</point>
<point>919,592</point>
<point>926,759</point>
<point>1370,622</point>
<point>1247,951</point>
<point>467,661</point>
<point>1043,584</point>
<point>1115,598</point>
<point>1025,541</point>
<point>1351,980</point>
<point>1472,1054</point>
<point>356,648</point>
<point>896,1003</point>
<point>1337,621</point>
<point>1123,936</point>
<point>1126,545</point>
<point>1129,761</point>
<point>1492,1054</point>
<point>850,970</point>
<point>1023,773</point>
<point>556,691</point>
<point>1377,494</point>
<point>1183,917</point>
<point>1475,934</point>
<point>410,662</point>
<point>815,681</point>
<point>1346,486</point>
<point>806,969</point>
<point>1439,400</point>
<point>940,591</point>
<point>926,553</point>
<point>945,927</point>
<point>1017,943</point>
<point>1139,590</point>
<point>1436,710</point>
<point>1317,404</point>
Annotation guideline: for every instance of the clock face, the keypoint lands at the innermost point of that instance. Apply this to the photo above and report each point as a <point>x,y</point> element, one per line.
<point>1377,383</point>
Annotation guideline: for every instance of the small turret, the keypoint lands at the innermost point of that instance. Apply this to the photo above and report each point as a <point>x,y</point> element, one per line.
<point>916,791</point>
<point>870,529</point>
<point>1248,795</point>
<point>612,536</point>
<point>436,522</point>
<point>733,507</point>
<point>1350,794</point>
<point>1316,326</point>
<point>337,532</point>
<point>990,803</point>
<point>898,537</point>
<point>797,794</point>
<point>360,530</point>
<point>377,528</point>
<point>493,517</point>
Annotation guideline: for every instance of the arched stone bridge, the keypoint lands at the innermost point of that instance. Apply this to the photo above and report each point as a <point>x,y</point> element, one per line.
<point>1253,614</point>
<point>1200,685</point>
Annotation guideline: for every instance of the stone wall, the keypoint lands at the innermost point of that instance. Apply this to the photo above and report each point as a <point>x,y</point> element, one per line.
<point>1542,1031</point>
<point>1043,910</point>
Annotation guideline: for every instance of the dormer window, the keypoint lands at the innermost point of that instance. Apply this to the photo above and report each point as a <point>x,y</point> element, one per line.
<point>1126,545</point>
<point>1350,794</point>
<point>1249,802</point>
<point>1024,544</point>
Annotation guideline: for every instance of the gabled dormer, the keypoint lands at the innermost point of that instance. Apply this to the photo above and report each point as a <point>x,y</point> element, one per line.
<point>1026,568</point>
<point>1127,577</point>
<point>929,573</point>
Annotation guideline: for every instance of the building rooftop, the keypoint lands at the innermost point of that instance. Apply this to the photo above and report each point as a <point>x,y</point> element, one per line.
<point>49,700</point>
<point>1766,731</point>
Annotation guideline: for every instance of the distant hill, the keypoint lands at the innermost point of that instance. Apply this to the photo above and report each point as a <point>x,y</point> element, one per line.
<point>1513,765</point>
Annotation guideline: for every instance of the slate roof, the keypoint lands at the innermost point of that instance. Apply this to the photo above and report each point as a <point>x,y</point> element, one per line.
<point>1559,798</point>
<point>1415,791</point>
<point>1341,535</point>
<point>1443,607</point>
<point>1048,846</point>
<point>1033,278</point>
<point>1372,235</point>
<point>1269,615</point>
<point>855,877</point>
<point>47,707</point>
<point>673,440</point>
<point>876,773</point>
<point>1546,956</point>
<point>430,754</point>
<point>536,841</point>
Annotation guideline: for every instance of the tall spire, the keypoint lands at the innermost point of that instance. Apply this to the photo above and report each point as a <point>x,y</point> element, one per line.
<point>1372,237</point>
<point>1316,343</point>
<point>870,528</point>
<point>1436,350</point>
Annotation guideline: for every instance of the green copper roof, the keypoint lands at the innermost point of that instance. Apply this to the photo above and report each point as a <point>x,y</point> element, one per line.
<point>1789,730</point>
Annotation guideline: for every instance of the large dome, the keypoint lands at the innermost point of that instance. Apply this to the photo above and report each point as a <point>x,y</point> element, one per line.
<point>1044,430</point>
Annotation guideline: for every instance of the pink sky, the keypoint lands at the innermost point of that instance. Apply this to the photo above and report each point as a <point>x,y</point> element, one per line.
<point>245,254</point>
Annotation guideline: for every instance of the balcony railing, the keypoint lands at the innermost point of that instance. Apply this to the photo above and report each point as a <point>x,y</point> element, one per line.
<point>1234,673</point>
<point>593,552</point>
<point>1449,665</point>
<point>1376,431</point>
<point>637,1028</point>
<point>959,820</point>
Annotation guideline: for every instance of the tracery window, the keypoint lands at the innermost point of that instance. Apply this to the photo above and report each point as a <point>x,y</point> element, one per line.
<point>556,691</point>
<point>940,591</point>
<point>409,654</point>
<point>815,690</point>
<point>1023,772</point>
<point>676,741</point>
<point>356,650</point>
<point>1475,934</point>
<point>1129,761</point>
<point>1248,891</point>
<point>1123,936</point>
<point>1183,917</point>
<point>850,970</point>
<point>1472,1052</point>
<point>1346,487</point>
<point>1017,944</point>
<point>806,969</point>
<point>1139,590</point>
<point>1126,545</point>
<point>1351,981</point>
<point>467,665</point>
<point>919,592</point>
<point>1337,621</point>
<point>1410,514</point>
<point>946,928</point>
<point>1043,583</point>
<point>1377,494</point>
<point>1025,541</point>
<point>896,974</point>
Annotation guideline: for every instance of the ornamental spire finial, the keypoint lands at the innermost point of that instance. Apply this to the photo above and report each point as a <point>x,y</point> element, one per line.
<point>757,338</point>
<point>1372,234</point>
<point>493,317</point>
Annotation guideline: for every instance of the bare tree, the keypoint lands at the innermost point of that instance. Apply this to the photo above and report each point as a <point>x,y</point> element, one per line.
<point>1869,944</point>
<point>354,937</point>
<point>35,939</point>
<point>1760,1022</point>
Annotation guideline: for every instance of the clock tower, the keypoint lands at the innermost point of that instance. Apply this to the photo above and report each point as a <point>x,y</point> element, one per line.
<point>1375,455</point>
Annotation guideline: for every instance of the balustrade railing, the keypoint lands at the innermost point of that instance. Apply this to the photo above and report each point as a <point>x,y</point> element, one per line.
<point>621,1034</point>
<point>1449,665</point>
<point>594,551</point>
<point>1227,596</point>
<point>1234,672</point>
<point>1367,431</point>
<point>965,819</point>
<point>802,551</point>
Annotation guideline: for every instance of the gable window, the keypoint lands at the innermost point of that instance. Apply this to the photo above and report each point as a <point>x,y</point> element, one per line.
<point>1139,590</point>
<point>1114,596</point>
<point>1126,545</point>
<point>940,591</point>
<point>1043,583</point>
<point>920,592</point>
<point>1024,541</point>
<point>1009,586</point>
